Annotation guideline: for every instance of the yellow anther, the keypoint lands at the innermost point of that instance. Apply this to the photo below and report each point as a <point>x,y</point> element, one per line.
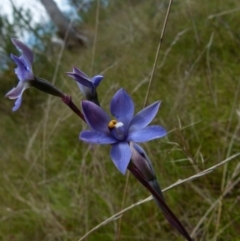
<point>112,124</point>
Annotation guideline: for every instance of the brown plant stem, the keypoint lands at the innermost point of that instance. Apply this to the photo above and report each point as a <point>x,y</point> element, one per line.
<point>68,101</point>
<point>170,216</point>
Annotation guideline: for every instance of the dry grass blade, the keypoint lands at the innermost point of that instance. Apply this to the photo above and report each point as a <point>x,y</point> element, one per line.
<point>95,36</point>
<point>223,13</point>
<point>179,182</point>
<point>158,50</point>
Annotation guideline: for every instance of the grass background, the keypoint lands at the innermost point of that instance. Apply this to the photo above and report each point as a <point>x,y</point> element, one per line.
<point>54,187</point>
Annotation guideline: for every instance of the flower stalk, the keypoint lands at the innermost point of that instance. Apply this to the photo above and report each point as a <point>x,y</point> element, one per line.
<point>170,216</point>
<point>68,101</point>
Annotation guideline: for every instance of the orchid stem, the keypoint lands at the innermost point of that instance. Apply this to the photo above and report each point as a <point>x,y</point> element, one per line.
<point>169,215</point>
<point>68,101</point>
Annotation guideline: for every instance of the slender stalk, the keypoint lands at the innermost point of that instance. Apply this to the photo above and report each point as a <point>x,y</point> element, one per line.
<point>68,101</point>
<point>95,36</point>
<point>158,50</point>
<point>170,216</point>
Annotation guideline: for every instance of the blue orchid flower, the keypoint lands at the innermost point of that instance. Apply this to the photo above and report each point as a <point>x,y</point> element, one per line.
<point>121,130</point>
<point>23,71</point>
<point>26,77</point>
<point>86,85</point>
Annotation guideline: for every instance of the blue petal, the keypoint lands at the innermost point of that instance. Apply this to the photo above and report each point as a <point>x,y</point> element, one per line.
<point>96,80</point>
<point>17,91</point>
<point>146,134</point>
<point>121,156</point>
<point>80,73</point>
<point>27,52</point>
<point>17,103</point>
<point>81,80</point>
<point>95,116</point>
<point>144,117</point>
<point>21,71</point>
<point>85,91</point>
<point>122,107</point>
<point>96,137</point>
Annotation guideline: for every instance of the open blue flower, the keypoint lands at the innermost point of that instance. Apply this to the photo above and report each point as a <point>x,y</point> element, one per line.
<point>86,85</point>
<point>26,77</point>
<point>123,129</point>
<point>23,72</point>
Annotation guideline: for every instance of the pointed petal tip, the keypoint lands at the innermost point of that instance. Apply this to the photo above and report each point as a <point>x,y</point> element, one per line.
<point>7,95</point>
<point>14,41</point>
<point>147,134</point>
<point>15,109</point>
<point>17,103</point>
<point>158,102</point>
<point>80,73</point>
<point>26,51</point>
<point>14,57</point>
<point>144,117</point>
<point>19,44</point>
<point>121,156</point>
<point>155,104</point>
<point>122,90</point>
<point>14,93</point>
<point>70,74</point>
<point>76,69</point>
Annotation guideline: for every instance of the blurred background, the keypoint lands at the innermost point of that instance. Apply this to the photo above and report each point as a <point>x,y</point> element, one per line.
<point>54,187</point>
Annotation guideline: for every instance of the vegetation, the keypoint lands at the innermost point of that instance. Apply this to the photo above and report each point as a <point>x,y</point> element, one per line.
<point>54,187</point>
